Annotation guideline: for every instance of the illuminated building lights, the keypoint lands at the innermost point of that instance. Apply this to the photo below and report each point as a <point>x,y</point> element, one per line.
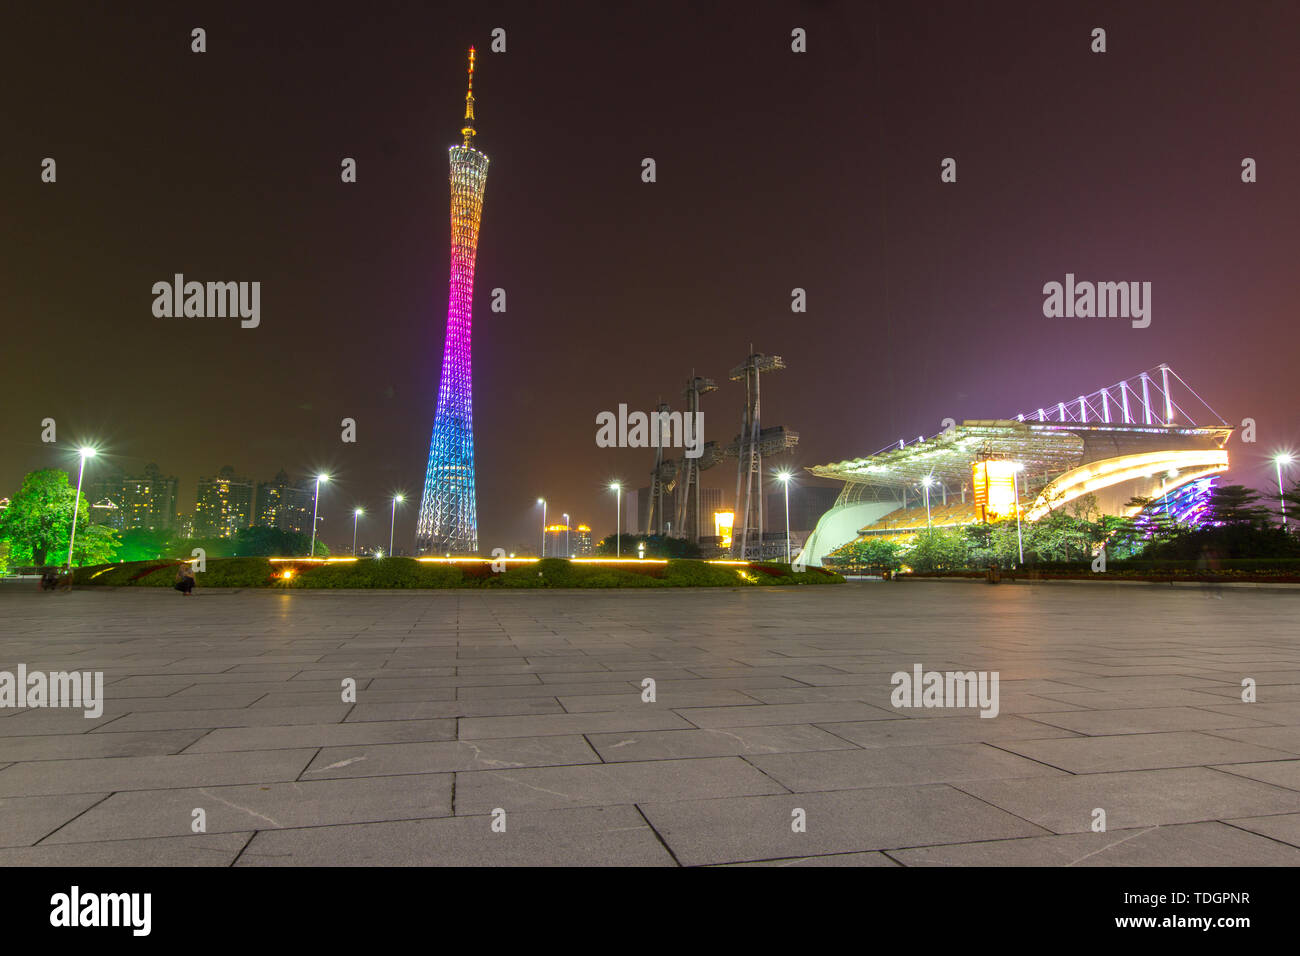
<point>448,520</point>
<point>509,560</point>
<point>1191,464</point>
<point>994,483</point>
<point>723,521</point>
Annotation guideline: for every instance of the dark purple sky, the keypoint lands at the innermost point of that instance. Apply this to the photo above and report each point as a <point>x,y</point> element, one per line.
<point>775,170</point>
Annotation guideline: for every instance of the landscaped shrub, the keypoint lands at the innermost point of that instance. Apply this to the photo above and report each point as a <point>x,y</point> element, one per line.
<point>249,572</point>
<point>599,577</point>
<point>685,573</point>
<point>379,573</point>
<point>817,576</point>
<point>220,573</point>
<point>119,575</point>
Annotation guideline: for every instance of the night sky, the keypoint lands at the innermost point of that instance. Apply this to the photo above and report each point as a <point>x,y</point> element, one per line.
<point>775,170</point>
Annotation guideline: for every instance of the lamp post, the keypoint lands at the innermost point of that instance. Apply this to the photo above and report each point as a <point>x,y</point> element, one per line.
<point>926,482</point>
<point>784,477</point>
<point>392,525</point>
<point>542,502</point>
<point>85,452</point>
<point>566,537</point>
<point>320,479</point>
<point>1279,461</point>
<point>1015,487</point>
<point>355,515</point>
<point>617,488</point>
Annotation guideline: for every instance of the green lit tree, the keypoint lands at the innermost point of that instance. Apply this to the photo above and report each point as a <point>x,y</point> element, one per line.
<point>873,552</point>
<point>145,544</point>
<point>38,521</point>
<point>936,549</point>
<point>95,545</point>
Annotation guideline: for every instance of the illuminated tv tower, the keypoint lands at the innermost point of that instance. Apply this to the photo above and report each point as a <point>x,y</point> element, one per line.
<point>448,516</point>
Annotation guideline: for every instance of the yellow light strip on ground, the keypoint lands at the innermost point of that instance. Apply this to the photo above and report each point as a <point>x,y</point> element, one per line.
<point>503,561</point>
<point>316,560</point>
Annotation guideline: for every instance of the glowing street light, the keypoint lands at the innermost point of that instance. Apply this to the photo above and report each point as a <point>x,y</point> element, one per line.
<point>355,515</point>
<point>392,525</point>
<point>542,502</point>
<point>784,477</point>
<point>927,482</point>
<point>320,479</point>
<point>1279,461</point>
<point>85,452</point>
<point>617,488</point>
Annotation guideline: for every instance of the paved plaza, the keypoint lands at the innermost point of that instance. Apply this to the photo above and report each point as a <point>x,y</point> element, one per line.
<point>772,739</point>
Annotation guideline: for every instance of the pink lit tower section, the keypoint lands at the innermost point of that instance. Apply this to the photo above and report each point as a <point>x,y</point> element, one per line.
<point>448,522</point>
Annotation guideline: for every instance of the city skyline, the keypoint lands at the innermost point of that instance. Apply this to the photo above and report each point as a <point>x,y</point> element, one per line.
<point>776,171</point>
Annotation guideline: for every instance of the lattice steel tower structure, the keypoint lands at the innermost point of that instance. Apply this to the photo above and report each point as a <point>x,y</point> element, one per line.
<point>753,442</point>
<point>448,515</point>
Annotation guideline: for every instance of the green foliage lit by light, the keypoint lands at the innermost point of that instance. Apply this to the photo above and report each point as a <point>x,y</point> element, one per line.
<point>38,522</point>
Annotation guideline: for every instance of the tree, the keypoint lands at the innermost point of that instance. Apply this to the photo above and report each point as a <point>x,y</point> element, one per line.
<point>1237,506</point>
<point>870,552</point>
<point>936,549</point>
<point>1292,499</point>
<point>1121,536</point>
<point>96,544</point>
<point>259,541</point>
<point>656,546</point>
<point>38,520</point>
<point>992,544</point>
<point>146,544</point>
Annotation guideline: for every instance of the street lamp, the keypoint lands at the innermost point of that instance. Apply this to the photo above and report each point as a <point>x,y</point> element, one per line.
<point>1279,461</point>
<point>1015,487</point>
<point>85,452</point>
<point>784,477</point>
<point>618,517</point>
<point>566,536</point>
<point>542,502</point>
<point>926,482</point>
<point>392,525</point>
<point>320,479</point>
<point>355,515</point>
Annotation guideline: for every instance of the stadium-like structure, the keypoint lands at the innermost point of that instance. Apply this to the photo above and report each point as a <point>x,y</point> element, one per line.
<point>1125,441</point>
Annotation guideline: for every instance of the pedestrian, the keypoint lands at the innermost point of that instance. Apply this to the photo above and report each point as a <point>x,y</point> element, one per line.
<point>185,579</point>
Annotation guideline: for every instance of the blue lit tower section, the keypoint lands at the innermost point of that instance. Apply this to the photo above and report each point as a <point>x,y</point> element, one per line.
<point>448,520</point>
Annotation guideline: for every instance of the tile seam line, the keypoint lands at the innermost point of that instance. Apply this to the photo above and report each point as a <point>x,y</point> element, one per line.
<point>71,819</point>
<point>658,835</point>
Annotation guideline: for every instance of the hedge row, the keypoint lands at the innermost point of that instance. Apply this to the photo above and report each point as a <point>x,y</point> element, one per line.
<point>409,573</point>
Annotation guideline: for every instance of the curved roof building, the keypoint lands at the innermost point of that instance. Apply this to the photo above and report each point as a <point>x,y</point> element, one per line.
<point>1126,441</point>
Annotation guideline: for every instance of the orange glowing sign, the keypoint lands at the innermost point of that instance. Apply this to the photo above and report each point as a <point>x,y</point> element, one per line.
<point>722,524</point>
<point>994,482</point>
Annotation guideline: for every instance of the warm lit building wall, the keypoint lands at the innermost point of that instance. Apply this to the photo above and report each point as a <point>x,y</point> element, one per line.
<point>284,504</point>
<point>125,502</point>
<point>222,505</point>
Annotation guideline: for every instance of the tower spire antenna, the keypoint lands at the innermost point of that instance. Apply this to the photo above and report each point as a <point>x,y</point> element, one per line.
<point>468,130</point>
